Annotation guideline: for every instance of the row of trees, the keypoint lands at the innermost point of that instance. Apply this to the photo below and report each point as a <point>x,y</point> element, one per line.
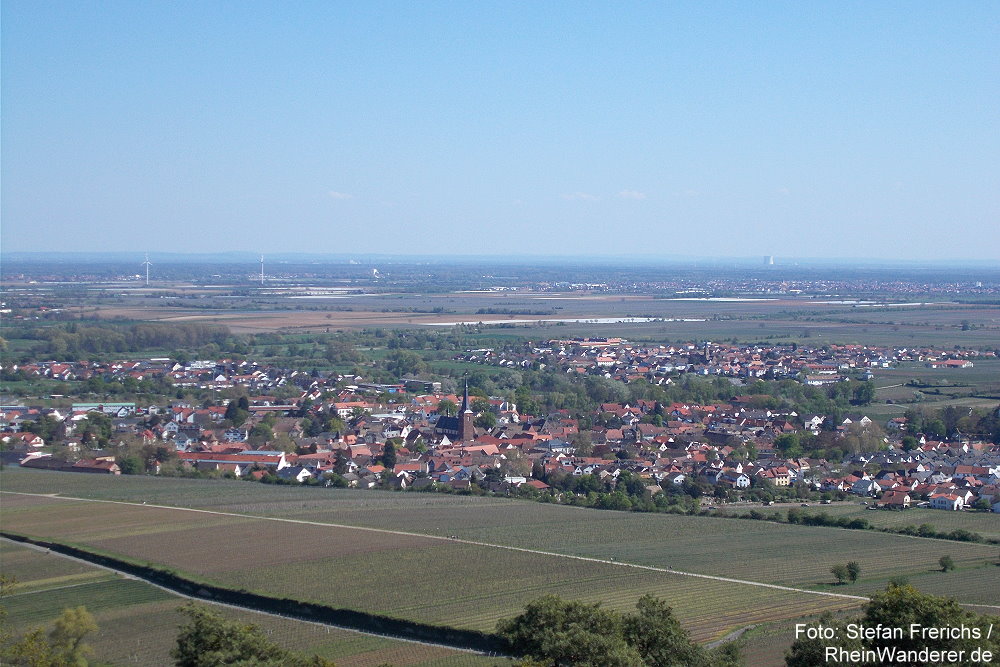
<point>846,572</point>
<point>72,341</point>
<point>954,418</point>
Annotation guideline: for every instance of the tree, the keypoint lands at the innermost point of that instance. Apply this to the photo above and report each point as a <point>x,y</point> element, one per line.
<point>96,428</point>
<point>559,632</point>
<point>209,640</point>
<point>388,457</point>
<point>236,414</point>
<point>900,606</point>
<point>404,362</point>
<point>658,636</point>
<point>340,462</point>
<point>806,652</point>
<point>486,420</point>
<point>935,428</point>
<point>64,646</point>
<point>565,632</point>
<point>853,570</point>
<point>946,563</point>
<point>68,631</point>
<point>447,408</point>
<point>261,433</point>
<point>864,393</point>
<point>583,442</point>
<point>335,425</point>
<point>841,572</point>
<point>131,465</point>
<point>341,352</point>
<point>789,445</point>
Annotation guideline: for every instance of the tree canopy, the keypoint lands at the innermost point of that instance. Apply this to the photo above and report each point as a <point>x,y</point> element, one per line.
<point>209,640</point>
<point>561,632</point>
<point>900,605</point>
<point>62,647</point>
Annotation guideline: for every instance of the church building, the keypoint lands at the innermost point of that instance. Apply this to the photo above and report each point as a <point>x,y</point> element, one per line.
<point>460,428</point>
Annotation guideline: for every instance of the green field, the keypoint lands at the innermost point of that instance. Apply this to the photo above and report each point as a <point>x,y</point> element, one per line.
<point>983,377</point>
<point>802,331</point>
<point>427,577</point>
<point>984,523</point>
<point>138,622</point>
<point>751,550</point>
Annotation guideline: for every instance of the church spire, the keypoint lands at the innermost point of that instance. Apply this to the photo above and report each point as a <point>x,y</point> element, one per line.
<point>466,429</point>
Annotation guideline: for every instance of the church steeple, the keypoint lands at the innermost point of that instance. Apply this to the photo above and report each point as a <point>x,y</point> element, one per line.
<point>466,429</point>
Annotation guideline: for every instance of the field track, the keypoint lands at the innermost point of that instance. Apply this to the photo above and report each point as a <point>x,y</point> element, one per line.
<point>668,570</point>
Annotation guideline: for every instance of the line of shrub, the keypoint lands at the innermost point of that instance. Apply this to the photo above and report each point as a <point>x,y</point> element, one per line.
<point>796,516</point>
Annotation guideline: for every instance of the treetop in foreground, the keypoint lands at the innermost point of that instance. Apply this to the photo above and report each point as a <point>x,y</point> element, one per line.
<point>899,626</point>
<point>209,640</point>
<point>557,632</point>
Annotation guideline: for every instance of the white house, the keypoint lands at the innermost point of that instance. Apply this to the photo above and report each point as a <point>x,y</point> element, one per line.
<point>947,501</point>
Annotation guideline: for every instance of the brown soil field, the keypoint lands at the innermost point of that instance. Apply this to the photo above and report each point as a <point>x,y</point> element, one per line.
<point>277,320</point>
<point>747,320</point>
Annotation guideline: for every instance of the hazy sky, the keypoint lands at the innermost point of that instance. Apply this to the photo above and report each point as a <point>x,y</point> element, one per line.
<point>843,129</point>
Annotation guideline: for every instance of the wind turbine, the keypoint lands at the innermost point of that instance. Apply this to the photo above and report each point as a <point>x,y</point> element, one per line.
<point>262,270</point>
<point>147,264</point>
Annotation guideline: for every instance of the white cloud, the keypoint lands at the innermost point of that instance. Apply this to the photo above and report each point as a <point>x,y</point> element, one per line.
<point>580,196</point>
<point>632,194</point>
<point>340,195</point>
<point>784,191</point>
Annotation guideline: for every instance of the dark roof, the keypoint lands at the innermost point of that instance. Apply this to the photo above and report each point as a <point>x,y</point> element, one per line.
<point>448,424</point>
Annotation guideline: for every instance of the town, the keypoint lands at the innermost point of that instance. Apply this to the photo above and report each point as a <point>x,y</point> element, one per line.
<point>285,425</point>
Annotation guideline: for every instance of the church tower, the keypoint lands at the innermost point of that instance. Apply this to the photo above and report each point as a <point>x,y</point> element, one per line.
<point>466,431</point>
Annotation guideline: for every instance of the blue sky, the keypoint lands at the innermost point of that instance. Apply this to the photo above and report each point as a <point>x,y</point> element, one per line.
<point>840,129</point>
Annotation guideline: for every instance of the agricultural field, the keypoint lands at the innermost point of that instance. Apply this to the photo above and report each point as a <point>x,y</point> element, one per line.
<point>435,580</point>
<point>938,384</point>
<point>984,523</point>
<point>138,622</point>
<point>947,315</point>
<point>803,320</point>
<point>734,548</point>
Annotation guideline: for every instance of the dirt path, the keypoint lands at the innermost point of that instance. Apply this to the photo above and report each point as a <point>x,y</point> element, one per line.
<point>732,636</point>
